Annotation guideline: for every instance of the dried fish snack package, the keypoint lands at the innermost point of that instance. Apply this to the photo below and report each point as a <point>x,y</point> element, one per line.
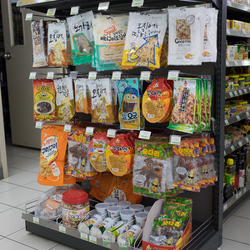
<point>210,36</point>
<point>186,29</point>
<point>144,39</point>
<point>69,49</point>
<point>65,103</point>
<point>209,103</point>
<point>38,44</point>
<point>57,45</point>
<point>109,34</point>
<point>82,39</point>
<point>184,105</point>
<point>81,95</point>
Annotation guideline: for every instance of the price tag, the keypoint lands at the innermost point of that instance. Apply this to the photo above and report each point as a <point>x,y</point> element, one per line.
<point>232,147</point>
<point>62,229</point>
<point>116,75</point>
<point>228,32</point>
<point>235,93</point>
<point>240,194</point>
<point>236,63</point>
<point>225,153</point>
<point>74,10</point>
<point>103,6</point>
<point>122,247</point>
<point>51,12</point>
<point>245,190</point>
<point>39,125</point>
<point>245,91</point>
<point>67,127</point>
<point>145,75</point>
<point>73,74</point>
<point>231,94</point>
<point>229,3</point>
<point>137,3</point>
<point>224,207</point>
<point>84,236</point>
<point>240,91</point>
<point>247,113</point>
<point>111,133</point>
<point>173,74</point>
<point>240,143</point>
<point>237,117</point>
<point>227,63</point>
<point>32,75</point>
<point>29,17</point>
<point>247,139</point>
<point>36,220</point>
<point>175,140</point>
<point>226,122</point>
<point>50,75</point>
<point>237,196</point>
<point>92,239</point>
<point>89,130</point>
<point>92,75</point>
<point>244,31</point>
<point>106,243</point>
<point>144,134</point>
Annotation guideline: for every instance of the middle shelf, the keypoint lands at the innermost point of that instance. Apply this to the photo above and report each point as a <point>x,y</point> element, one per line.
<point>236,145</point>
<point>236,118</point>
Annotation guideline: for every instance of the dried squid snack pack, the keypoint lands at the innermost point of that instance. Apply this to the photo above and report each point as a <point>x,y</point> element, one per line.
<point>81,95</point>
<point>186,26</point>
<point>57,45</point>
<point>209,103</point>
<point>39,55</point>
<point>52,156</point>
<point>69,49</point>
<point>97,152</point>
<point>184,105</point>
<point>82,39</point>
<point>144,39</point>
<point>65,103</point>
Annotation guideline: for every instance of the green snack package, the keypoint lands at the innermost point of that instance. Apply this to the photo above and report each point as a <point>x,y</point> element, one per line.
<point>203,105</point>
<point>197,120</point>
<point>209,103</point>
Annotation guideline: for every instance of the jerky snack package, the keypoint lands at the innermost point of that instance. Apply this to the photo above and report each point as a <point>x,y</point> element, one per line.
<point>101,100</point>
<point>186,26</point>
<point>39,55</point>
<point>97,151</point>
<point>69,49</point>
<point>107,185</point>
<point>78,162</point>
<point>57,47</point>
<point>109,34</point>
<point>209,103</point>
<point>65,103</point>
<point>144,39</point>
<point>44,100</point>
<point>52,156</point>
<point>81,95</point>
<point>82,39</point>
<point>156,102</point>
<point>184,105</point>
<point>152,171</point>
<point>210,36</point>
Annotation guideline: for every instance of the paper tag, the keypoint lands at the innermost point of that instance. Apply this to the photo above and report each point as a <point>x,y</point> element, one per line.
<point>73,74</point>
<point>51,12</point>
<point>84,236</point>
<point>228,32</point>
<point>103,6</point>
<point>247,139</point>
<point>247,113</point>
<point>229,3</point>
<point>240,91</point>
<point>50,75</point>
<point>137,3</point>
<point>175,140</point>
<point>74,10</point>
<point>92,75</point>
<point>245,91</point>
<point>145,75</point>
<point>62,229</point>
<point>238,117</point>
<point>106,243</point>
<point>67,127</point>
<point>245,190</point>
<point>39,125</point>
<point>224,207</point>
<point>36,220</point>
<point>111,133</point>
<point>29,17</point>
<point>235,93</point>
<point>92,239</point>
<point>226,122</point>
<point>237,196</point>
<point>231,94</point>
<point>244,31</point>
<point>116,75</point>
<point>32,75</point>
<point>144,134</point>
<point>232,147</point>
<point>123,248</point>
<point>225,153</point>
<point>89,130</point>
<point>240,143</point>
<point>240,193</point>
<point>227,63</point>
<point>236,63</point>
<point>173,74</point>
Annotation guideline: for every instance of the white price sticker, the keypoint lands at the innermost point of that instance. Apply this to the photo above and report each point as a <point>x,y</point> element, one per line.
<point>228,32</point>
<point>224,207</point>
<point>231,94</point>
<point>247,113</point>
<point>29,17</point>
<point>235,93</point>
<point>245,190</point>
<point>92,75</point>
<point>111,133</point>
<point>74,10</point>
<point>36,220</point>
<point>237,117</point>
<point>229,3</point>
<point>39,125</point>
<point>67,127</point>
<point>227,63</point>
<point>32,75</point>
<point>240,91</point>
<point>62,229</point>
<point>89,130</point>
<point>245,91</point>
<point>244,31</point>
<point>240,143</point>
<point>84,236</point>
<point>236,63</point>
<point>144,135</point>
<point>175,140</point>
<point>92,239</point>
<point>225,153</point>
<point>50,75</point>
<point>237,196</point>
<point>247,139</point>
<point>103,6</point>
<point>173,74</point>
<point>232,147</point>
<point>106,243</point>
<point>226,122</point>
<point>116,75</point>
<point>73,74</point>
<point>51,12</point>
<point>145,75</point>
<point>240,194</point>
<point>137,3</point>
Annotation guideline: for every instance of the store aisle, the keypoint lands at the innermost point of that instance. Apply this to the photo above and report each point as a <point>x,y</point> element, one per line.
<point>21,187</point>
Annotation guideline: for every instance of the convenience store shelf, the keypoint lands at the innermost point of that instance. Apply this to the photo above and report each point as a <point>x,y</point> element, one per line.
<point>236,118</point>
<point>238,6</point>
<point>237,92</point>
<point>236,145</point>
<point>238,33</point>
<point>237,63</point>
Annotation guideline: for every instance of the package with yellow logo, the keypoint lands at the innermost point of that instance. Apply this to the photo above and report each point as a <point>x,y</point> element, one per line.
<point>44,100</point>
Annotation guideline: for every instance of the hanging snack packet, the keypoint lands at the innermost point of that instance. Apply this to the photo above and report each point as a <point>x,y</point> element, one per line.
<point>52,156</point>
<point>57,48</point>
<point>69,49</point>
<point>209,103</point>
<point>44,100</point>
<point>144,39</point>
<point>197,120</point>
<point>39,55</point>
<point>81,95</point>
<point>210,36</point>
<point>82,39</point>
<point>203,105</point>
<point>186,26</point>
<point>97,152</point>
<point>184,105</point>
<point>115,100</point>
<point>78,161</point>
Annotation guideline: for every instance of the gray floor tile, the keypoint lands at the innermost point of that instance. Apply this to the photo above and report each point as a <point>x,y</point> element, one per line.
<point>232,245</point>
<point>7,244</point>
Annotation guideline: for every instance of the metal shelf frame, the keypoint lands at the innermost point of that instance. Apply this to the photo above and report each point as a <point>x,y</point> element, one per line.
<point>237,93</point>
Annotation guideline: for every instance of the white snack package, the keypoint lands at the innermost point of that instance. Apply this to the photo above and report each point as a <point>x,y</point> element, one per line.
<point>210,36</point>
<point>186,35</point>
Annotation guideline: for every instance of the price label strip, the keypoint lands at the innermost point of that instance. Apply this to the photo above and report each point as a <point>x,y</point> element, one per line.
<point>32,75</point>
<point>231,94</point>
<point>175,140</point>
<point>92,239</point>
<point>89,130</point>
<point>235,93</point>
<point>224,207</point>
<point>84,236</point>
<point>92,75</point>
<point>247,139</point>
<point>225,153</point>
<point>103,6</point>
<point>62,229</point>
<point>39,125</point>
<point>237,117</point>
<point>51,12</point>
<point>73,74</point>
<point>74,10</point>
<point>145,75</point>
<point>245,190</point>
<point>232,148</point>
<point>137,3</point>
<point>245,91</point>
<point>237,196</point>
<point>116,75</point>
<point>145,135</point>
<point>240,143</point>
<point>173,74</point>
<point>240,91</point>
<point>50,75</point>
<point>106,243</point>
<point>226,122</point>
<point>29,17</point>
<point>111,133</point>
<point>36,220</point>
<point>67,127</point>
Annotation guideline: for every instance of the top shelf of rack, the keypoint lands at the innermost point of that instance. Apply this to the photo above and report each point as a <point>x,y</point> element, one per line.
<point>237,6</point>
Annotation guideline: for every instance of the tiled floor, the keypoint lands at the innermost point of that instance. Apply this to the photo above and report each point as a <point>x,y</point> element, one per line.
<point>21,187</point>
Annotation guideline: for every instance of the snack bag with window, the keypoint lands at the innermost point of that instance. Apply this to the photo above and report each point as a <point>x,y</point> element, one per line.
<point>69,49</point>
<point>52,156</point>
<point>57,45</point>
<point>65,103</point>
<point>44,100</point>
<point>81,95</point>
<point>209,103</point>
<point>39,55</point>
<point>144,39</point>
<point>82,39</point>
<point>186,26</point>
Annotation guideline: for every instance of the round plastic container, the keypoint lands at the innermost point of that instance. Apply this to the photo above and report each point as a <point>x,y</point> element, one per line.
<point>141,218</point>
<point>114,211</point>
<point>75,206</point>
<point>127,215</point>
<point>111,201</point>
<point>112,234</point>
<point>128,238</point>
<point>124,204</point>
<point>101,208</point>
<point>147,209</point>
<point>137,208</point>
<point>98,230</point>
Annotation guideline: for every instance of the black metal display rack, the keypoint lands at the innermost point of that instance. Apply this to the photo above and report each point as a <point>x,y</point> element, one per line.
<point>208,204</point>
